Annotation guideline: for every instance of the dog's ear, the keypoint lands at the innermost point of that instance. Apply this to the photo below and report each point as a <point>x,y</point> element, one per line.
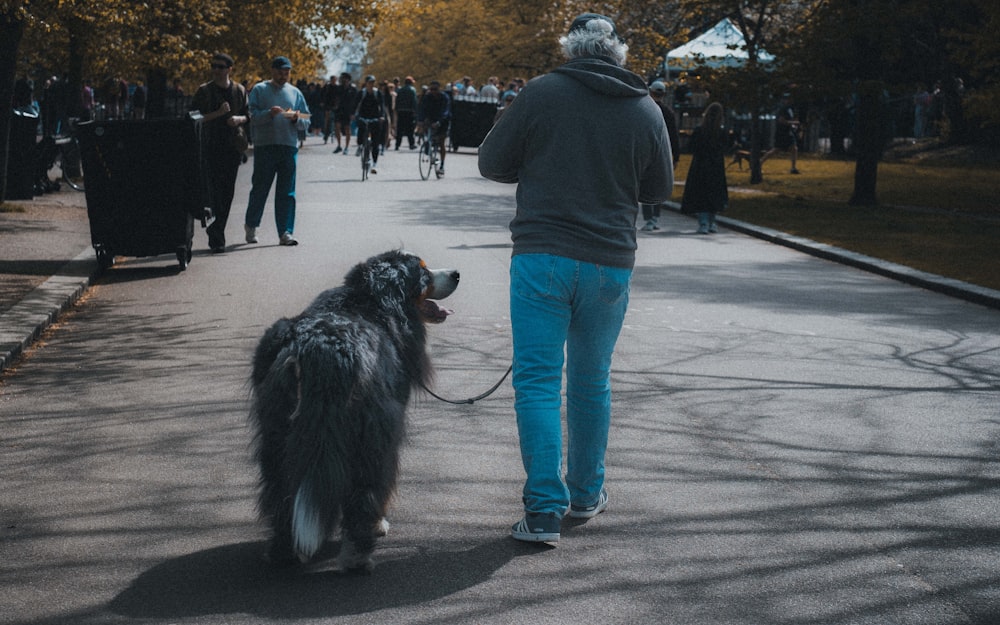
<point>393,276</point>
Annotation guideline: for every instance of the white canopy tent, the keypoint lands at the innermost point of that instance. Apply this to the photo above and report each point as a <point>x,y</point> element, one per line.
<point>722,45</point>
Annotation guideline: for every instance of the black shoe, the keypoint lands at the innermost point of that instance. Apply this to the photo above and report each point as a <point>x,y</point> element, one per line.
<point>219,249</point>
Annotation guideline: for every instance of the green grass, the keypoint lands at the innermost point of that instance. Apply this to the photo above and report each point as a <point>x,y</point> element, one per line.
<point>7,207</point>
<point>939,218</point>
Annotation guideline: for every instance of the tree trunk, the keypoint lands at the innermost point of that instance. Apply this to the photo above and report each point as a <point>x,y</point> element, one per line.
<point>958,132</point>
<point>156,93</point>
<point>756,148</point>
<point>11,31</point>
<point>74,74</point>
<point>869,139</point>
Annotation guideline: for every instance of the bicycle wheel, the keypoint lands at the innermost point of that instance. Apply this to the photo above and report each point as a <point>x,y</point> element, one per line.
<point>366,159</point>
<point>426,163</point>
<point>436,161</point>
<point>70,164</point>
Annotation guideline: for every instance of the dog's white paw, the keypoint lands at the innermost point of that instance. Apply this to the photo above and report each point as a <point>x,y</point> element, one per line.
<point>381,528</point>
<point>351,561</point>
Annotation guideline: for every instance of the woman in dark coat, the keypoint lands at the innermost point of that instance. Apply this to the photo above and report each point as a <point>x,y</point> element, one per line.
<point>705,191</point>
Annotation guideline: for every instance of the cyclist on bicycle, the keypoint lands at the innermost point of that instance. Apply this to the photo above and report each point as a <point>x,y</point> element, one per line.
<point>434,111</point>
<point>370,116</point>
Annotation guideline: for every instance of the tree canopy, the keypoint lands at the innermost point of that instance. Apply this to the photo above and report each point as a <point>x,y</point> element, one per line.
<point>125,38</point>
<point>827,49</point>
<point>506,38</point>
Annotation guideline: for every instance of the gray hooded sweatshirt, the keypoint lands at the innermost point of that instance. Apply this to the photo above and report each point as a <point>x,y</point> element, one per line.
<point>585,144</point>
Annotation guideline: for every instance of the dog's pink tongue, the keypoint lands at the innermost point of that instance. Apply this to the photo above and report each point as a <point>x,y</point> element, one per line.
<point>435,312</point>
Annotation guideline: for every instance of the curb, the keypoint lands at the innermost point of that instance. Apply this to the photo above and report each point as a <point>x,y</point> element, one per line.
<point>932,282</point>
<point>27,319</point>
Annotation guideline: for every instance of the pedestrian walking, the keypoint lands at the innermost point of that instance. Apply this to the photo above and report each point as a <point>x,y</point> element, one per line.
<point>223,105</point>
<point>278,113</point>
<point>705,191</point>
<point>574,240</point>
<point>406,113</point>
<point>657,91</point>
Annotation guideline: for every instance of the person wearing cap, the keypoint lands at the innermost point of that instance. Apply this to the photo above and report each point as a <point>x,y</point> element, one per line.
<point>406,112</point>
<point>223,105</point>
<point>585,145</point>
<point>278,112</point>
<point>657,91</point>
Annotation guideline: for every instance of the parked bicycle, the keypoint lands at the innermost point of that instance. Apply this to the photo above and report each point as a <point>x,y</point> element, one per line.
<point>59,161</point>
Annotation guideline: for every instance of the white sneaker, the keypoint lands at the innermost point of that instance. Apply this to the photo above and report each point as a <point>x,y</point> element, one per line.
<point>287,239</point>
<point>251,234</point>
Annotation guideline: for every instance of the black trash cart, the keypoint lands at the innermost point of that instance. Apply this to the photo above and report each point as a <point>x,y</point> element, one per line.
<point>471,120</point>
<point>144,186</point>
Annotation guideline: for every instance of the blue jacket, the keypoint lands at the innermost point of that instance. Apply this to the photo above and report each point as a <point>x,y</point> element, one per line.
<point>277,130</point>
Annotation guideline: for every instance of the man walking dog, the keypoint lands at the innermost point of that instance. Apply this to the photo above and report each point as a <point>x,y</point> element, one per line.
<point>574,248</point>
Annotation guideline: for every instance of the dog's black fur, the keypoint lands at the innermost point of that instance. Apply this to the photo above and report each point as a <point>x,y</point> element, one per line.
<point>330,391</point>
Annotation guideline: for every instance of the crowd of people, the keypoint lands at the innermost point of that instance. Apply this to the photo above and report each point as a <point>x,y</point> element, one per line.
<point>277,116</point>
<point>334,103</point>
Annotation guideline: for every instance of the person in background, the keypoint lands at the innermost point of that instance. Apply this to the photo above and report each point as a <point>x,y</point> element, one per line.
<point>346,98</point>
<point>278,113</point>
<point>705,191</point>
<point>434,110</point>
<point>388,90</point>
<point>370,116</point>
<point>223,105</point>
<point>574,249</point>
<point>657,91</point>
<point>786,134</point>
<point>86,101</point>
<point>138,100</point>
<point>406,112</point>
<point>490,90</point>
<point>508,99</point>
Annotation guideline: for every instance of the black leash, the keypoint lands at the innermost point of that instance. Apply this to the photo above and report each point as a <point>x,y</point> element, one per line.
<point>470,400</point>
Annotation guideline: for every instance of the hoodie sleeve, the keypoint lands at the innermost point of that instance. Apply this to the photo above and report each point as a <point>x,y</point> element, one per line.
<point>500,155</point>
<point>657,183</point>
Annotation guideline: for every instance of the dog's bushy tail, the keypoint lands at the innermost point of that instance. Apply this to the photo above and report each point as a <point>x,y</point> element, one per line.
<point>316,452</point>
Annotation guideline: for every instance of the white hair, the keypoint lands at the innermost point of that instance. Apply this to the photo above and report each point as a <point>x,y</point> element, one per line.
<point>596,38</point>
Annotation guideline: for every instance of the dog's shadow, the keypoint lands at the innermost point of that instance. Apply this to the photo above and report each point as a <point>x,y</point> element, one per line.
<point>234,580</point>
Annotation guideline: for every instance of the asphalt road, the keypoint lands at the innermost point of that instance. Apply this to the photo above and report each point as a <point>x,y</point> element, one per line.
<point>794,441</point>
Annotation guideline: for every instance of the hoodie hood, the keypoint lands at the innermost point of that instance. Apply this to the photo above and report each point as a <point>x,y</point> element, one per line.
<point>604,77</point>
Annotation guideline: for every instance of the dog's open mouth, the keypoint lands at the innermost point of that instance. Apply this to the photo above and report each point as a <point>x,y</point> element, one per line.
<point>432,313</point>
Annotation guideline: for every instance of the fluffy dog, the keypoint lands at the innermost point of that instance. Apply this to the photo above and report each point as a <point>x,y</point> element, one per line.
<point>330,389</point>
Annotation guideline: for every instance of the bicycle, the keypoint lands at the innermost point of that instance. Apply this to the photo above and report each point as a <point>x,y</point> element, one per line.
<point>429,155</point>
<point>62,152</point>
<point>367,147</point>
<point>70,161</point>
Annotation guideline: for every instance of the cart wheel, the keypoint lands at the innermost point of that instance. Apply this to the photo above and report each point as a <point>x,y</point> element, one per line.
<point>105,258</point>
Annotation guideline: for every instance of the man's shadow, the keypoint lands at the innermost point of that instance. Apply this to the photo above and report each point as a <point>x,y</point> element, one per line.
<point>234,579</point>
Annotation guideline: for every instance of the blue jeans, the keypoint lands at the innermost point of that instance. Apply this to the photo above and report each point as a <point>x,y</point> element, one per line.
<point>270,162</point>
<point>560,306</point>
